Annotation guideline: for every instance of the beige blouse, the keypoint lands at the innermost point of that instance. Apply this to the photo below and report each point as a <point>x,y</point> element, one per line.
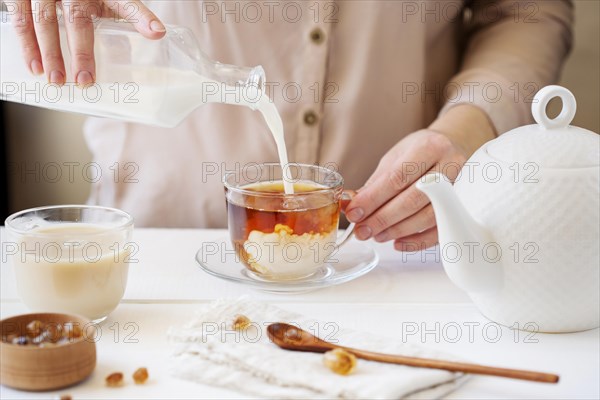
<point>350,79</point>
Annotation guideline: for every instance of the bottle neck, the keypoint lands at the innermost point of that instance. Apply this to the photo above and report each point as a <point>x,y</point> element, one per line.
<point>238,85</point>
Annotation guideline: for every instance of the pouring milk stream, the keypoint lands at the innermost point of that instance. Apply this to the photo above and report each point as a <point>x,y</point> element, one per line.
<point>158,82</point>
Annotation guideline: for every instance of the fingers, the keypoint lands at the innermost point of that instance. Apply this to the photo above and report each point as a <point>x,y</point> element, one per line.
<point>79,16</point>
<point>419,222</point>
<point>418,241</point>
<point>40,41</point>
<point>389,183</point>
<point>347,196</point>
<point>400,207</point>
<point>45,23</point>
<point>80,31</point>
<point>22,21</point>
<point>135,12</point>
<point>408,160</point>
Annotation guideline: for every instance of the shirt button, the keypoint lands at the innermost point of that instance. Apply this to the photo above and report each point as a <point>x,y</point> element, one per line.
<point>317,36</point>
<point>310,118</point>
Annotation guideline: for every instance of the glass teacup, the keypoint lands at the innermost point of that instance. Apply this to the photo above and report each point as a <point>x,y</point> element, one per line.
<point>70,259</point>
<point>281,236</point>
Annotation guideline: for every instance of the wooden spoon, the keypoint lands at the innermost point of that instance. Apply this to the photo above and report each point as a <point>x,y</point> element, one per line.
<point>290,337</point>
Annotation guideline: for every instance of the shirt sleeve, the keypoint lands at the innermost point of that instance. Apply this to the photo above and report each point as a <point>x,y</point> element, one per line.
<point>513,49</point>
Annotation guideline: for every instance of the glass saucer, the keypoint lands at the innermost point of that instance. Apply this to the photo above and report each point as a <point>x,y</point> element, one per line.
<point>354,259</point>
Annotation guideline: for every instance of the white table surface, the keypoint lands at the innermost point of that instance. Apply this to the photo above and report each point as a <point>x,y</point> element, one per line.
<point>406,297</point>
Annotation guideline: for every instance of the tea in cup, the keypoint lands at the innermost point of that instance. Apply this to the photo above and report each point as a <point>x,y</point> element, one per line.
<point>283,236</point>
<point>70,259</point>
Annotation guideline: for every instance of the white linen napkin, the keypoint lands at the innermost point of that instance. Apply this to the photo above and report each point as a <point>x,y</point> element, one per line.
<point>209,351</point>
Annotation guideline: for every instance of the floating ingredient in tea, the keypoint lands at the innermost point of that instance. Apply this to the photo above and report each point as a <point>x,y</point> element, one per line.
<point>240,322</point>
<point>268,253</point>
<point>140,376</point>
<point>340,361</point>
<point>114,380</point>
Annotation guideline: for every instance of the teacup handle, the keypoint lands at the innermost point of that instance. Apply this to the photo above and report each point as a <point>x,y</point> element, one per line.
<point>347,195</point>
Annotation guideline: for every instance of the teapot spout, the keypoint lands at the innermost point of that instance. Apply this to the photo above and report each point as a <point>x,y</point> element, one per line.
<point>463,240</point>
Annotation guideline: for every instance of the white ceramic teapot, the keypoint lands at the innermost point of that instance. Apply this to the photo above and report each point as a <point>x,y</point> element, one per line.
<point>520,229</point>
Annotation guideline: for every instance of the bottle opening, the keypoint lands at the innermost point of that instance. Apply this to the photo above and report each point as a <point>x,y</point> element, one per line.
<point>257,78</point>
<point>255,85</point>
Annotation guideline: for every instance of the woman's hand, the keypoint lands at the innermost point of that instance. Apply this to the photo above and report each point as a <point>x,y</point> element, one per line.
<point>389,206</point>
<point>36,24</point>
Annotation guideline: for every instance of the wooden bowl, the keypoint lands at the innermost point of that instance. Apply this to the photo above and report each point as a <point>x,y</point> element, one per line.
<point>30,367</point>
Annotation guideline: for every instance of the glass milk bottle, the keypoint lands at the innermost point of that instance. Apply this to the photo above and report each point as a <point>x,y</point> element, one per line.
<point>156,82</point>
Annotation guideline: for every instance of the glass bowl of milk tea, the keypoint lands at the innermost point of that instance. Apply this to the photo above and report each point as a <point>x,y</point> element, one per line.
<point>70,259</point>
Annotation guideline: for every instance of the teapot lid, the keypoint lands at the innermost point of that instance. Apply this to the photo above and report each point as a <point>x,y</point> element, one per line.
<point>551,143</point>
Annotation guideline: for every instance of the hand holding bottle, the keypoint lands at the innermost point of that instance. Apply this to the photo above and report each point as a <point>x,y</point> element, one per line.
<point>36,24</point>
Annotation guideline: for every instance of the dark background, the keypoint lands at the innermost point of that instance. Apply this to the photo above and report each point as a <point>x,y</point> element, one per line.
<point>3,168</point>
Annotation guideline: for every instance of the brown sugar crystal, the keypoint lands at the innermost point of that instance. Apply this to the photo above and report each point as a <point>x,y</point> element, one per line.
<point>240,322</point>
<point>140,376</point>
<point>115,379</point>
<point>340,361</point>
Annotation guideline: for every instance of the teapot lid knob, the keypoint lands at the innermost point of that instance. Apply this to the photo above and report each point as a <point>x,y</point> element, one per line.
<point>541,100</point>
